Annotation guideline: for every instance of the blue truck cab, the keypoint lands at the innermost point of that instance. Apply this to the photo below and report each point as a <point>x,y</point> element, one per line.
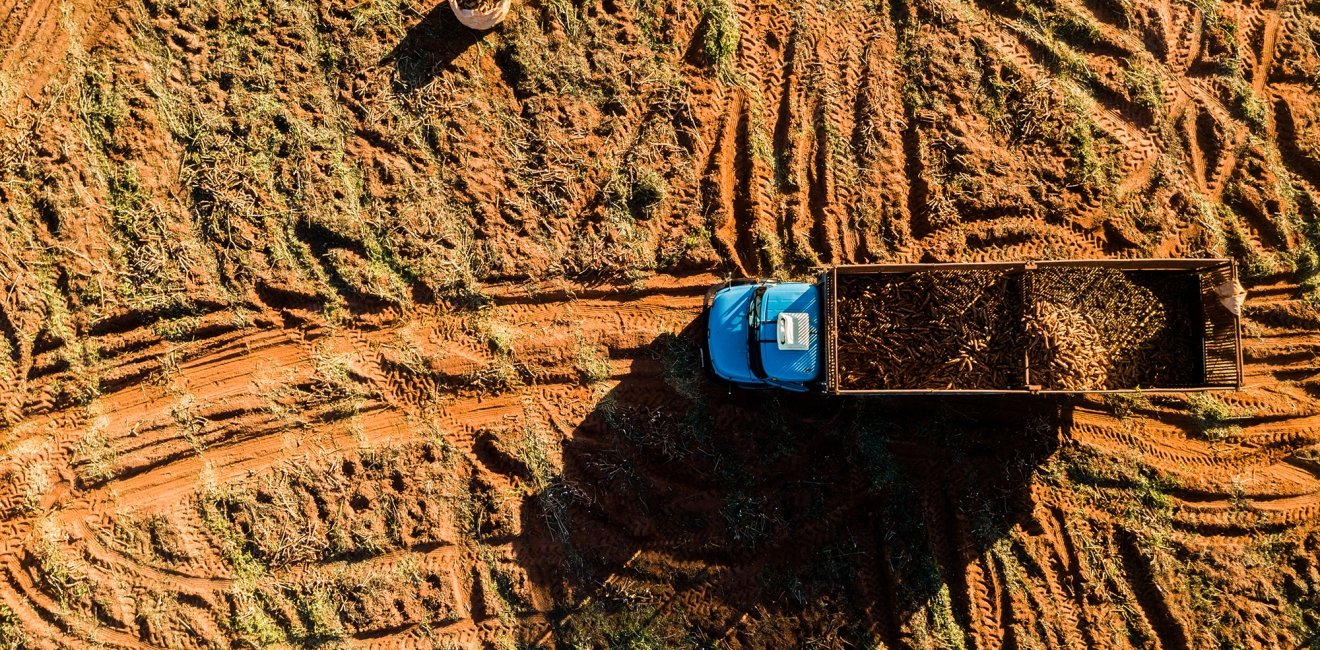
<point>765,334</point>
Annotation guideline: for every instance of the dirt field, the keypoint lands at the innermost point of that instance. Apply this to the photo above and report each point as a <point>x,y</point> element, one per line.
<point>340,324</point>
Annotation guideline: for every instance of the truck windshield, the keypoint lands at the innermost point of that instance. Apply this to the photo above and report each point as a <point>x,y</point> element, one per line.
<point>754,334</point>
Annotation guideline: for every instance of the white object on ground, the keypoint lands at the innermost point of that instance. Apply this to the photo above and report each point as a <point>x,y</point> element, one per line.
<point>481,20</point>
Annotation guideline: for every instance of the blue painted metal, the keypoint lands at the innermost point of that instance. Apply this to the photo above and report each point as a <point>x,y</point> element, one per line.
<point>731,355</point>
<point>792,366</point>
<point>727,339</point>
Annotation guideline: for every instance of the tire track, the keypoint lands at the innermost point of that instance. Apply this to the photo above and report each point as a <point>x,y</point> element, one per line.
<point>56,30</point>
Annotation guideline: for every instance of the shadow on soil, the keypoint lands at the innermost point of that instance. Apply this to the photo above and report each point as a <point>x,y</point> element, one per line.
<point>430,47</point>
<point>687,513</point>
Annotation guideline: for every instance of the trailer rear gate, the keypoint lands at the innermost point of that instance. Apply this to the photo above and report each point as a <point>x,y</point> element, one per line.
<point>1200,348</point>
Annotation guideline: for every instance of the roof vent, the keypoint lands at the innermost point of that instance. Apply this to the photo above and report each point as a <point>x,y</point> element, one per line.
<point>794,331</point>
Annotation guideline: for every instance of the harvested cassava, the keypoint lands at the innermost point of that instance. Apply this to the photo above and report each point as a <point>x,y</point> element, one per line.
<point>930,330</point>
<point>1061,328</point>
<point>1067,352</point>
<point>1094,329</point>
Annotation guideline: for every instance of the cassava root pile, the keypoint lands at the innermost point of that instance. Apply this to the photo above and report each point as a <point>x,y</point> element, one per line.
<point>1095,328</point>
<point>1067,352</point>
<point>1077,328</point>
<point>930,329</point>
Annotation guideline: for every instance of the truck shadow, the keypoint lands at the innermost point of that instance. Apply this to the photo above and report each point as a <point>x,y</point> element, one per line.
<point>686,512</point>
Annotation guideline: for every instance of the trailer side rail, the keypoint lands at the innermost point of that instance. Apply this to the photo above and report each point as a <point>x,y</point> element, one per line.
<point>1221,344</point>
<point>830,280</point>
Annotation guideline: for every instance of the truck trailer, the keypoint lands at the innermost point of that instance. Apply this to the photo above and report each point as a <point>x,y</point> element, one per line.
<point>1054,327</point>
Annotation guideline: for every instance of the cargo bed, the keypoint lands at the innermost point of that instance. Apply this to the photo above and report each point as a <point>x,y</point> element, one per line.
<point>1066,327</point>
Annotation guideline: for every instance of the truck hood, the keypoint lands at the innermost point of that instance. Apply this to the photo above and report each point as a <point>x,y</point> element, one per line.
<point>729,353</point>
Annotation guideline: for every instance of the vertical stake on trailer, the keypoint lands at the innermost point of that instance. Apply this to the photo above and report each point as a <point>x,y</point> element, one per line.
<point>1026,354</point>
